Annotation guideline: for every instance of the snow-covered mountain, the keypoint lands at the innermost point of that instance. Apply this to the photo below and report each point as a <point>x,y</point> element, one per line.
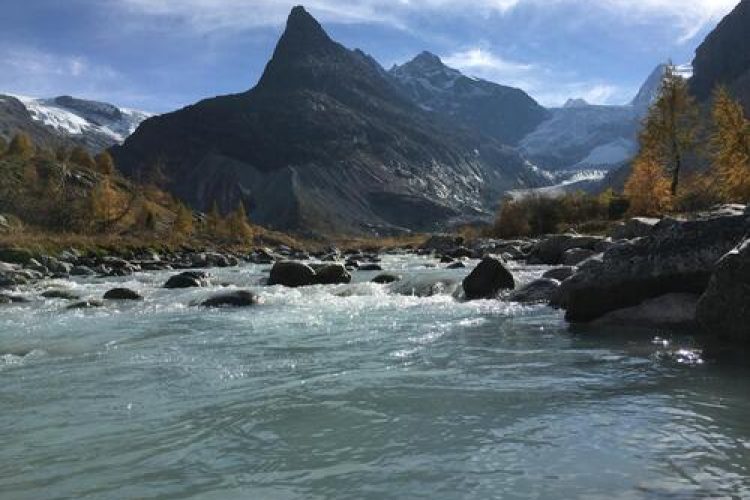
<point>97,125</point>
<point>581,136</point>
<point>501,112</point>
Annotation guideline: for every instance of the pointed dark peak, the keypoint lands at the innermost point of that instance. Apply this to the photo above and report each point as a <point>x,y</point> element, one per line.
<point>427,57</point>
<point>303,35</point>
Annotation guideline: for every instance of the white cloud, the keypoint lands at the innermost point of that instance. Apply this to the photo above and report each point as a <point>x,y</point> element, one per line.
<point>548,87</point>
<point>687,16</point>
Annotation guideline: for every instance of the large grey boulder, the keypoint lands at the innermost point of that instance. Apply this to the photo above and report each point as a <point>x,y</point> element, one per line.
<point>551,250</point>
<point>443,243</point>
<point>575,256</point>
<point>122,294</point>
<point>724,309</point>
<point>637,227</point>
<point>332,274</point>
<point>487,279</point>
<point>678,257</point>
<point>292,274</point>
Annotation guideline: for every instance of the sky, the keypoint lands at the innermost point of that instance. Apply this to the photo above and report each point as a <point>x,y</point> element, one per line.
<point>159,55</point>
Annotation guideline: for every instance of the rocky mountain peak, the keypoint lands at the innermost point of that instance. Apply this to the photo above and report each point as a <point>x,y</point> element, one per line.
<point>650,89</point>
<point>576,103</point>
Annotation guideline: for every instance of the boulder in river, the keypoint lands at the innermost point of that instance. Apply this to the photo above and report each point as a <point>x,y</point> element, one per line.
<point>292,274</point>
<point>559,273</point>
<point>456,265</point>
<point>443,243</point>
<point>332,274</point>
<point>551,250</point>
<point>678,257</point>
<point>370,267</point>
<point>487,279</point>
<point>188,279</point>
<point>674,310</point>
<point>60,294</point>
<point>724,309</point>
<point>122,294</point>
<point>541,290</point>
<point>12,299</point>
<point>637,227</point>
<point>575,256</point>
<point>87,304</point>
<point>240,298</point>
<point>386,278</point>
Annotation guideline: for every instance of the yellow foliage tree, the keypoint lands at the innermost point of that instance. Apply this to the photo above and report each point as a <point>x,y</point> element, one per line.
<point>648,188</point>
<point>730,147</point>
<point>215,224</point>
<point>104,203</point>
<point>238,225</point>
<point>183,223</point>
<point>21,146</point>
<point>104,163</point>
<point>82,158</point>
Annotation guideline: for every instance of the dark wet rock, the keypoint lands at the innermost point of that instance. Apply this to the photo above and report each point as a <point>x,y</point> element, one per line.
<point>122,294</point>
<point>370,267</point>
<point>724,308</point>
<point>386,278</point>
<point>487,279</point>
<point>82,271</point>
<point>87,304</point>
<point>292,274</point>
<point>456,265</point>
<point>575,256</point>
<point>332,274</point>
<point>637,227</point>
<point>675,310</point>
<point>559,273</point>
<point>15,256</point>
<point>188,279</point>
<point>60,294</point>
<point>551,250</point>
<point>678,257</point>
<point>446,259</point>
<point>12,299</point>
<point>263,256</point>
<point>461,253</point>
<point>240,298</point>
<point>541,290</point>
<point>56,266</point>
<point>421,286</point>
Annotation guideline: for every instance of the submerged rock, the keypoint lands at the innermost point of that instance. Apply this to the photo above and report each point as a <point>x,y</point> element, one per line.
<point>487,279</point>
<point>87,304</point>
<point>370,267</point>
<point>667,311</point>
<point>386,278</point>
<point>678,257</point>
<point>240,298</point>
<point>541,290</point>
<point>12,299</point>
<point>122,294</point>
<point>60,294</point>
<point>188,279</point>
<point>724,309</point>
<point>292,274</point>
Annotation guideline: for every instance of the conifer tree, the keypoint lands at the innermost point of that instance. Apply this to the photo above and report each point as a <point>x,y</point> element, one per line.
<point>21,146</point>
<point>183,223</point>
<point>730,147</point>
<point>103,203</point>
<point>668,135</point>
<point>104,163</point>
<point>215,222</point>
<point>238,224</point>
<point>82,158</point>
<point>648,188</point>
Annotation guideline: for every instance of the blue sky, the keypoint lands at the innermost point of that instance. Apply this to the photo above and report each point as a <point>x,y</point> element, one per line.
<point>159,55</point>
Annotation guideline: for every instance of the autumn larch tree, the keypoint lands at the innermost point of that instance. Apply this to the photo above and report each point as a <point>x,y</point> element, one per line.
<point>238,225</point>
<point>104,163</point>
<point>21,146</point>
<point>183,223</point>
<point>730,147</point>
<point>649,188</point>
<point>82,158</point>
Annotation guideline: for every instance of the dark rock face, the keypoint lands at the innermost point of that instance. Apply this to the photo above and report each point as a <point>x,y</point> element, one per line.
<point>122,294</point>
<point>292,274</point>
<point>326,142</point>
<point>487,279</point>
<point>505,113</point>
<point>724,57</point>
<point>678,257</point>
<point>724,309</point>
<point>541,290</point>
<point>189,279</point>
<point>241,298</point>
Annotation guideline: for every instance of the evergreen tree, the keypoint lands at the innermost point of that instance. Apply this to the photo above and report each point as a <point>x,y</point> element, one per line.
<point>730,147</point>
<point>21,146</point>
<point>82,158</point>
<point>238,224</point>
<point>104,163</point>
<point>649,188</point>
<point>183,223</point>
